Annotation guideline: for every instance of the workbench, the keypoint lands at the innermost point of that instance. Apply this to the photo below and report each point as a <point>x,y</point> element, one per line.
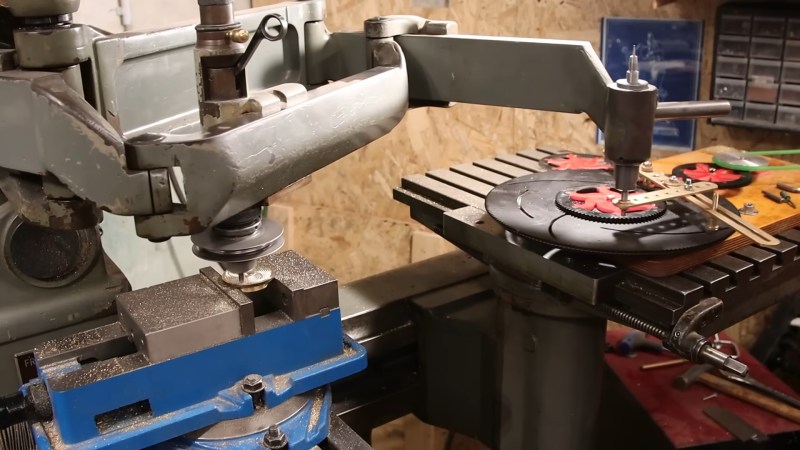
<point>671,418</point>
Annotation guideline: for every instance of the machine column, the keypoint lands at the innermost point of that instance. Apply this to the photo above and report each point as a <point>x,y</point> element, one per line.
<point>552,363</point>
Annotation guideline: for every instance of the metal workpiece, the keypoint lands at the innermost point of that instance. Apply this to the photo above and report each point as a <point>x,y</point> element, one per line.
<point>259,158</point>
<point>299,288</point>
<point>173,319</point>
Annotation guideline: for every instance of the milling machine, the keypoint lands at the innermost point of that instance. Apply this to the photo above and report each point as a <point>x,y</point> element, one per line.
<point>245,358</point>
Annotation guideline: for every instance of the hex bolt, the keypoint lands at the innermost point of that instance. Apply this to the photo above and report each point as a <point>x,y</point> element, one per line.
<point>275,439</point>
<point>647,166</point>
<point>749,209</point>
<point>253,384</point>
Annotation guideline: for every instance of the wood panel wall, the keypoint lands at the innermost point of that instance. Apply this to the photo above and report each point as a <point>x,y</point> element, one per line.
<point>345,219</point>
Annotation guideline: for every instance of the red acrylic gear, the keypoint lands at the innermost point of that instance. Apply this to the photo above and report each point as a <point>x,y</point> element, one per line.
<point>703,172</point>
<point>576,162</point>
<point>603,201</point>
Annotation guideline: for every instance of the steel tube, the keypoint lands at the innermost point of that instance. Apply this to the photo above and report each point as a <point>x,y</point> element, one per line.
<point>692,110</point>
<point>551,370</point>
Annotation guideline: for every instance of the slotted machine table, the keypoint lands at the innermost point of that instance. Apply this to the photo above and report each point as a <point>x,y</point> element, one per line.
<point>558,301</point>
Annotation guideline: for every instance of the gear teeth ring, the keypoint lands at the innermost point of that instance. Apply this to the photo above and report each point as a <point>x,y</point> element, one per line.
<point>566,204</point>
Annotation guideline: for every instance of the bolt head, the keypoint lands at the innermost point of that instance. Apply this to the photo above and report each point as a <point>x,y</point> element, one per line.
<point>253,383</point>
<point>275,439</point>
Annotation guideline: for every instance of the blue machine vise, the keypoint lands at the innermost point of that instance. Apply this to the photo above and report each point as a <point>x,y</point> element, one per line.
<point>195,363</point>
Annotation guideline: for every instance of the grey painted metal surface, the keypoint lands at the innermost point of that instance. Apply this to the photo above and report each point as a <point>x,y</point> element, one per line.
<point>256,160</point>
<point>27,310</point>
<point>543,74</point>
<point>147,80</point>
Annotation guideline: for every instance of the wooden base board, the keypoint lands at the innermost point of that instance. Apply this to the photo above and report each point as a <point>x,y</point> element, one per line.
<point>772,217</point>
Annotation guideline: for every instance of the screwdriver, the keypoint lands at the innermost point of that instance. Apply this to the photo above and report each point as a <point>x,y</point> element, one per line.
<point>782,198</point>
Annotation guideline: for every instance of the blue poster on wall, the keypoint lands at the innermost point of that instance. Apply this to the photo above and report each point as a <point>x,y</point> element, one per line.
<point>670,58</point>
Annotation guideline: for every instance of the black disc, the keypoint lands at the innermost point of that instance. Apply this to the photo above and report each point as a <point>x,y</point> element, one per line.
<point>527,207</point>
<point>722,177</point>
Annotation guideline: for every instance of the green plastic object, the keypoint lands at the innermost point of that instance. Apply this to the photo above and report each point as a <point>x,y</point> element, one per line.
<point>753,161</point>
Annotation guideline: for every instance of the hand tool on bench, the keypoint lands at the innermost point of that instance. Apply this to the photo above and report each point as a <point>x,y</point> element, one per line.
<point>700,373</point>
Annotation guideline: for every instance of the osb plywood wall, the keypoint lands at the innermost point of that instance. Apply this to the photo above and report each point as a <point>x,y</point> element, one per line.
<point>345,219</point>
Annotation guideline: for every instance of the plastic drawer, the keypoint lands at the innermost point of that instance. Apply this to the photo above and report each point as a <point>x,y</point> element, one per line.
<point>769,26</point>
<point>789,116</point>
<point>765,70</point>
<point>733,24</point>
<point>791,72</point>
<point>793,29</point>
<point>766,48</point>
<point>733,45</point>
<point>729,89</point>
<point>758,112</point>
<point>792,52</point>
<point>790,94</point>
<point>762,92</point>
<point>737,110</point>
<point>731,67</point>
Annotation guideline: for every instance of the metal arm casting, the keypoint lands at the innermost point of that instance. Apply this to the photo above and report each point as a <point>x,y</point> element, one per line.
<point>274,137</point>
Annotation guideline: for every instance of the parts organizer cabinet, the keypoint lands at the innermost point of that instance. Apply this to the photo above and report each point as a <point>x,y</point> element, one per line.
<point>757,65</point>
